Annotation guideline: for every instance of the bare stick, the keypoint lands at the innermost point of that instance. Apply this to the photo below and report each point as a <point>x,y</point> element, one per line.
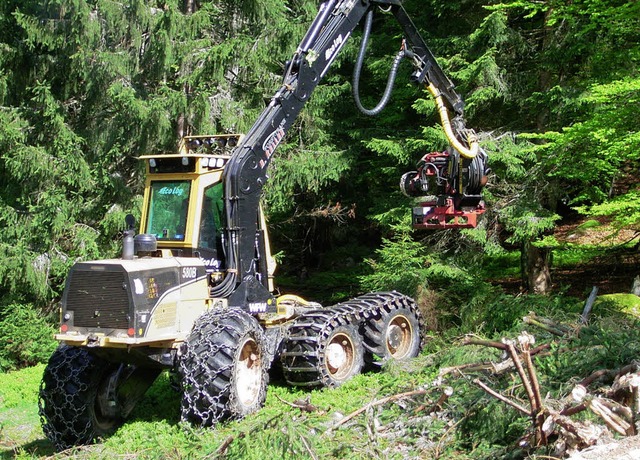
<point>306,446</point>
<point>550,322</point>
<point>584,318</point>
<point>227,442</point>
<point>538,414</point>
<point>612,420</point>
<point>551,329</point>
<point>304,406</point>
<point>609,373</point>
<point>635,405</point>
<point>572,410</point>
<point>379,402</point>
<point>504,399</point>
<point>534,379</point>
<point>448,391</point>
<point>484,343</point>
<point>523,377</point>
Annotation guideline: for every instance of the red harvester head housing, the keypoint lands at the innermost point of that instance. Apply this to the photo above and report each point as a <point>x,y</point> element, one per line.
<point>450,186</point>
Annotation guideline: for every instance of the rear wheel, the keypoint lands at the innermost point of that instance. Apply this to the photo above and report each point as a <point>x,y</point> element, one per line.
<point>394,334</point>
<point>343,357</point>
<point>74,406</point>
<point>223,368</point>
<point>323,349</point>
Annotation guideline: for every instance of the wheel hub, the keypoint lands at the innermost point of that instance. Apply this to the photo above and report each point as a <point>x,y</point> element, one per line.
<point>398,337</point>
<point>336,356</point>
<point>394,336</point>
<point>340,355</point>
<point>248,373</point>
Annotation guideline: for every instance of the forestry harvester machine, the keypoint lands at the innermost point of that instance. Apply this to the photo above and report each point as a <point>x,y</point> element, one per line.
<point>193,291</point>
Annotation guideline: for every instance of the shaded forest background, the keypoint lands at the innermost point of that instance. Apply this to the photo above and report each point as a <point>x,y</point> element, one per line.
<point>86,86</point>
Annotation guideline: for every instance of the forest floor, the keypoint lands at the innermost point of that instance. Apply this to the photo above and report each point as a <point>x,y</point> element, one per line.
<point>612,271</point>
<point>282,429</point>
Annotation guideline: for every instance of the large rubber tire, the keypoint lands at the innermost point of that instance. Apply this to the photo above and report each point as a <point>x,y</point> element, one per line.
<point>323,349</point>
<point>223,368</point>
<point>393,334</point>
<point>70,411</point>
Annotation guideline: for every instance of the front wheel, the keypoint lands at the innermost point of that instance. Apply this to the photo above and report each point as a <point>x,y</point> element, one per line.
<point>71,410</point>
<point>223,368</point>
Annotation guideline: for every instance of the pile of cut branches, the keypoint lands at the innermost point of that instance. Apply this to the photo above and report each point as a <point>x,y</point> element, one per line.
<point>598,407</point>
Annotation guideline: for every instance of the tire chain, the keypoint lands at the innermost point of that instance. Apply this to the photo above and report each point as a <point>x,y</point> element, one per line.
<point>307,336</point>
<point>207,363</point>
<point>65,399</point>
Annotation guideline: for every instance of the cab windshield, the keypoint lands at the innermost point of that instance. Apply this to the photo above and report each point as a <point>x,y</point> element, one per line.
<point>168,209</point>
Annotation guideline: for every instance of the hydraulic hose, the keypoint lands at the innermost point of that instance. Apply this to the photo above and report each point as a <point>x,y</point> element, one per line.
<point>467,152</point>
<point>357,71</point>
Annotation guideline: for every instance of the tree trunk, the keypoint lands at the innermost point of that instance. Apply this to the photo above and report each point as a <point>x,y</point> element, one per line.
<point>534,265</point>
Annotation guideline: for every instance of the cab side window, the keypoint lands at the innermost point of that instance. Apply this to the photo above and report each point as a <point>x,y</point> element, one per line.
<point>211,220</point>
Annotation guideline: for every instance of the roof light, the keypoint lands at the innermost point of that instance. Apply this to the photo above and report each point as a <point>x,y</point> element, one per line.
<point>219,163</point>
<point>204,162</point>
<point>185,161</point>
<point>152,162</point>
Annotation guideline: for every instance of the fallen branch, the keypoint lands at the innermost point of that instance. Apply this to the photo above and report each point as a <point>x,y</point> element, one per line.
<point>584,318</point>
<point>552,329</point>
<point>538,414</point>
<point>586,435</point>
<point>495,368</point>
<point>484,343</point>
<point>525,380</point>
<point>611,374</point>
<point>379,402</point>
<point>448,391</point>
<point>502,398</point>
<point>602,409</point>
<point>303,405</point>
<point>227,442</point>
<point>306,446</point>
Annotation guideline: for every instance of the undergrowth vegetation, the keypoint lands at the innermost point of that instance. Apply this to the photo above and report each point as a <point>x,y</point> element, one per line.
<point>26,336</point>
<point>397,412</point>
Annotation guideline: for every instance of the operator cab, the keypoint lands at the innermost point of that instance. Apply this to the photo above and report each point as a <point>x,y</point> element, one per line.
<point>184,199</point>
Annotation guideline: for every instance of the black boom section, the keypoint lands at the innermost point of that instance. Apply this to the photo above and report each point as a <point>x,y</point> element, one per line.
<point>246,172</point>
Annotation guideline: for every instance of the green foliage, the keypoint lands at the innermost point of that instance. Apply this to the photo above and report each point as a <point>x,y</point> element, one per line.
<point>611,344</point>
<point>402,264</point>
<point>87,86</point>
<point>625,209</point>
<point>601,144</point>
<point>26,337</point>
<point>20,387</point>
<point>490,426</point>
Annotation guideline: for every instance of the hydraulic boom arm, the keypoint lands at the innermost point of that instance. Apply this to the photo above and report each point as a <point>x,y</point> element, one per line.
<point>246,173</point>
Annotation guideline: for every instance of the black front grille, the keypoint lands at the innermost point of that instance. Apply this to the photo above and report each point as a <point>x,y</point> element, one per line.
<point>98,299</point>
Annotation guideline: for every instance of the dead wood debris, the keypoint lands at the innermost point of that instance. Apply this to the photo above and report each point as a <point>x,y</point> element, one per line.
<point>618,407</point>
<point>303,404</point>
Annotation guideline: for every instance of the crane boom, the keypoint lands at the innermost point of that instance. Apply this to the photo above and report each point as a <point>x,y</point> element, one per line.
<point>246,173</point>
